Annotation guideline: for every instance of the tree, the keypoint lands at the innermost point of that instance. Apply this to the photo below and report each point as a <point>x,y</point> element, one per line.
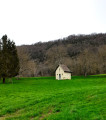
<point>27,66</point>
<point>102,58</point>
<point>9,62</point>
<point>84,62</point>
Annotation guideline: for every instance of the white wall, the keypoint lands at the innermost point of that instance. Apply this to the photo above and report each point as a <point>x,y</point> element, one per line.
<point>67,75</point>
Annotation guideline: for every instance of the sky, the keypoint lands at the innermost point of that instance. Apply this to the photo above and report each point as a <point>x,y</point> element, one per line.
<point>31,21</point>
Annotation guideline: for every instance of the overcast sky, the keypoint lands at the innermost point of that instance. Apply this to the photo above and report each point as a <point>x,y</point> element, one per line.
<point>31,21</point>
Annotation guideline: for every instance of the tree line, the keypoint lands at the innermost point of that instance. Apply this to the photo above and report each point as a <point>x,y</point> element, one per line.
<point>83,54</point>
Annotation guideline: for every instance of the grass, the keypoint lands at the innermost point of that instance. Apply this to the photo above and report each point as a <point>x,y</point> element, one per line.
<point>44,98</point>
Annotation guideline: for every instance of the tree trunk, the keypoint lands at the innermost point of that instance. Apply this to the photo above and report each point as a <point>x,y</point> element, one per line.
<point>85,74</point>
<point>3,80</point>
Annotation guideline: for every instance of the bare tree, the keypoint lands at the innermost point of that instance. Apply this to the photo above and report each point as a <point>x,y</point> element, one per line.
<point>27,66</point>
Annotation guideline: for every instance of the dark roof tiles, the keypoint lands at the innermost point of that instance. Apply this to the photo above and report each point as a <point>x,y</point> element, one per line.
<point>65,68</point>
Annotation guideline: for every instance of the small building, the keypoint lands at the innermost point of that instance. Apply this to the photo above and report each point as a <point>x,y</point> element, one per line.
<point>62,72</point>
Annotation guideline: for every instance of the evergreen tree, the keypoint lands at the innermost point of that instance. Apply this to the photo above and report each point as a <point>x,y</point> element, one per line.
<point>9,62</point>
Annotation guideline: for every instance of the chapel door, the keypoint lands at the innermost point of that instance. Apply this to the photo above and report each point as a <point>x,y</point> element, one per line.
<point>59,76</point>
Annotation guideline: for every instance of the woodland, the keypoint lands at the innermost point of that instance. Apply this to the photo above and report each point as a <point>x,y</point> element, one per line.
<point>83,54</point>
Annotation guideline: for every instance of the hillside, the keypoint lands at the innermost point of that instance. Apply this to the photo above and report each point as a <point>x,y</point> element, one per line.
<point>45,98</point>
<point>83,54</point>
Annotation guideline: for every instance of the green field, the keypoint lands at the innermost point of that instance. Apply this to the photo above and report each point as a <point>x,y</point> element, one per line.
<point>44,98</point>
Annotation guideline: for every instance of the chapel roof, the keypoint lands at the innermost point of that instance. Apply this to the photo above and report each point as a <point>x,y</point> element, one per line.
<point>65,68</point>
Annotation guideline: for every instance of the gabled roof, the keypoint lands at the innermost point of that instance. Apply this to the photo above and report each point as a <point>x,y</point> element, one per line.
<point>65,68</point>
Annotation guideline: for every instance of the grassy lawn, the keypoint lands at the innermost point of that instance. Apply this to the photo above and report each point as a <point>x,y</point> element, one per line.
<point>44,98</point>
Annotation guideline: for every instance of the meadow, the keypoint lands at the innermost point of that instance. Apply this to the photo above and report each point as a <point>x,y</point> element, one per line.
<point>44,98</point>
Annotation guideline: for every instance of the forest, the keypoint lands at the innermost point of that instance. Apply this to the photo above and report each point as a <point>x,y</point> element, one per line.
<point>83,54</point>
